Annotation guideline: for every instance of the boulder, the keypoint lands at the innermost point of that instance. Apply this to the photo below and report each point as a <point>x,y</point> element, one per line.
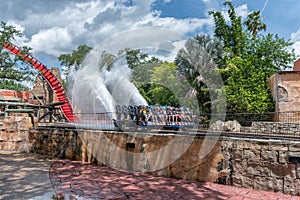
<point>228,126</point>
<point>232,126</point>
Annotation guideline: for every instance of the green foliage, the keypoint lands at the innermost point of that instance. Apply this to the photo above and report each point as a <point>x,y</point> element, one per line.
<point>197,63</point>
<point>246,86</point>
<point>107,60</point>
<point>246,89</point>
<point>252,59</point>
<point>156,80</point>
<point>74,59</point>
<point>232,34</point>
<point>271,53</point>
<point>254,23</point>
<point>164,84</point>
<point>142,70</point>
<point>135,58</point>
<point>245,58</point>
<point>14,72</point>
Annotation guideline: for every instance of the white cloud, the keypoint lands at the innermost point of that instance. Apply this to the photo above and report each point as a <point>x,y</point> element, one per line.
<point>296,47</point>
<point>242,10</point>
<point>18,41</point>
<point>185,25</point>
<point>18,27</point>
<point>63,26</point>
<point>295,38</point>
<point>51,41</point>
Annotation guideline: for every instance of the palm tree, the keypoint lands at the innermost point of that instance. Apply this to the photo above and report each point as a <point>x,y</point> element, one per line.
<point>212,47</point>
<point>197,63</point>
<point>254,23</point>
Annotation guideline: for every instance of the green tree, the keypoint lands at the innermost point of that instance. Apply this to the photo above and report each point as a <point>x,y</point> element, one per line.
<point>231,34</point>
<point>195,62</point>
<point>166,87</point>
<point>74,59</point>
<point>14,72</point>
<point>253,59</point>
<point>107,60</point>
<point>245,87</point>
<point>245,58</point>
<point>135,57</point>
<point>142,70</point>
<point>254,23</point>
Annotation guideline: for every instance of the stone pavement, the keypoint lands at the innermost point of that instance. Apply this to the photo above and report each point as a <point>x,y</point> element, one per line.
<point>25,176</point>
<point>76,180</point>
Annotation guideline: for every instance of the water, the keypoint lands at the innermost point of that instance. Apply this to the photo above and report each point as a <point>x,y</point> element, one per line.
<point>98,89</point>
<point>118,82</point>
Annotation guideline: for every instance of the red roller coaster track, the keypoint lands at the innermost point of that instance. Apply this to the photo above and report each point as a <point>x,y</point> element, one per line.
<point>54,83</point>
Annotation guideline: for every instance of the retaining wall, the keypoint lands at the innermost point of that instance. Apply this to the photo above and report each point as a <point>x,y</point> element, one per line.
<point>276,128</point>
<point>266,164</point>
<point>14,133</point>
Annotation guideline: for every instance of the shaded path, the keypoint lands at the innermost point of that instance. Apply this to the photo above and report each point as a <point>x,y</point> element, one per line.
<point>85,181</point>
<point>24,176</point>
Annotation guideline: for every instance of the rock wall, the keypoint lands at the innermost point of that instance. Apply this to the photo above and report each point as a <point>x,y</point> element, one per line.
<point>127,152</point>
<point>60,143</point>
<point>276,128</point>
<point>265,164</point>
<point>14,133</point>
<point>271,165</point>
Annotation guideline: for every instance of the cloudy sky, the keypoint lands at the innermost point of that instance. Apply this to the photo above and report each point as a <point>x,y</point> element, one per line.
<point>54,27</point>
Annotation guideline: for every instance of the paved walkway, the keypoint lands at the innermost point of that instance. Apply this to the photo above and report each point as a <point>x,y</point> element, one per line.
<point>26,176</point>
<point>83,181</point>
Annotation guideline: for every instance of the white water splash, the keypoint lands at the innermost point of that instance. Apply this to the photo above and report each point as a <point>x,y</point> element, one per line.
<point>98,90</point>
<point>118,82</point>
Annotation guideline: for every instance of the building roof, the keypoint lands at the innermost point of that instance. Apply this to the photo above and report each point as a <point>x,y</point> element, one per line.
<point>11,95</point>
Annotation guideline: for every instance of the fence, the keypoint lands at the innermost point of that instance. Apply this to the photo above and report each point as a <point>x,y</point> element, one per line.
<point>272,124</point>
<point>246,119</point>
<point>1,117</point>
<point>102,121</point>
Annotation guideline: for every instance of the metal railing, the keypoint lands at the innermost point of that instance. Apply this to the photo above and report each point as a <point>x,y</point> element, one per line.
<point>102,121</point>
<point>272,124</point>
<point>246,119</point>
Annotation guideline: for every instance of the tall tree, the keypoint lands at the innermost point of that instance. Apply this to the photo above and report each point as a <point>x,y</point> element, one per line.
<point>253,59</point>
<point>14,73</point>
<point>142,67</point>
<point>246,87</point>
<point>200,56</point>
<point>74,59</point>
<point>135,57</point>
<point>245,58</point>
<point>167,88</point>
<point>254,23</point>
<point>231,34</point>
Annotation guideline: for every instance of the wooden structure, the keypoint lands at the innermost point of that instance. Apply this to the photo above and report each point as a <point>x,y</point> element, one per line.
<point>38,113</point>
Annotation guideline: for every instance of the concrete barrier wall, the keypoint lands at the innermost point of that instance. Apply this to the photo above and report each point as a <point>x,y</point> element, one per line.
<point>271,165</point>
<point>132,152</point>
